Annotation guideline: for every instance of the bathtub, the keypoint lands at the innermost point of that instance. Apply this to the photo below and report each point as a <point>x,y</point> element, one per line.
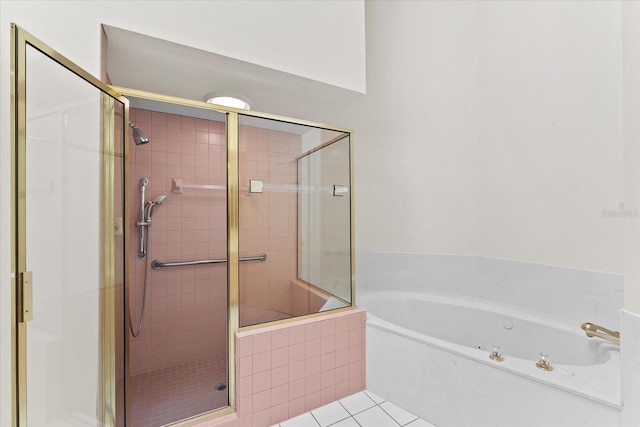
<point>430,353</point>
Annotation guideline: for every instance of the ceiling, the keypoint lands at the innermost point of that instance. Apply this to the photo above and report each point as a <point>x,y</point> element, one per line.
<point>146,63</point>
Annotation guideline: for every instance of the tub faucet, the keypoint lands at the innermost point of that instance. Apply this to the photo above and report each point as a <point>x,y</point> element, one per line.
<point>593,330</point>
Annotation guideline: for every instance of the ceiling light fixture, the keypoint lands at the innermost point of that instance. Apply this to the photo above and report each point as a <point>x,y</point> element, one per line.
<point>228,100</point>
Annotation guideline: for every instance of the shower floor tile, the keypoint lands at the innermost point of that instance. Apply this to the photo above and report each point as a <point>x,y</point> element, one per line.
<point>165,396</point>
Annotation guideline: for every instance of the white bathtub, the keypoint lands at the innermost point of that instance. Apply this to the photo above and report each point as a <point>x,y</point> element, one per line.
<point>430,353</point>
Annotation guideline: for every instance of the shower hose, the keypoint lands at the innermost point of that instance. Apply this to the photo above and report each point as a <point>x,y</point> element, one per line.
<point>144,289</point>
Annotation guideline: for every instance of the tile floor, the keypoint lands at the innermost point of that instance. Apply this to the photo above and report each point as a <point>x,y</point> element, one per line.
<point>171,394</point>
<point>363,409</point>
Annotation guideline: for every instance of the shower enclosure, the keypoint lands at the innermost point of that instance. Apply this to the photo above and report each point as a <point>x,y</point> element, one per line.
<point>148,231</point>
<point>285,171</point>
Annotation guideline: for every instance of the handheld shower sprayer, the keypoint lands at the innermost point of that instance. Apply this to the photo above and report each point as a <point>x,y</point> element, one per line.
<point>151,203</point>
<point>145,217</point>
<point>146,209</point>
<point>142,224</point>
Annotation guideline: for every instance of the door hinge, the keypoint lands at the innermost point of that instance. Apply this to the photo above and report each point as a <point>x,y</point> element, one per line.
<point>25,296</point>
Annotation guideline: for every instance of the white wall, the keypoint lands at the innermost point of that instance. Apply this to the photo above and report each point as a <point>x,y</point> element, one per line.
<point>416,157</point>
<point>550,134</point>
<point>321,40</point>
<point>492,128</point>
<point>506,146</point>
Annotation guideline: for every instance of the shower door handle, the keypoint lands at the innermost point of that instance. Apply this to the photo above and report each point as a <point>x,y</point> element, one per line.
<point>25,296</point>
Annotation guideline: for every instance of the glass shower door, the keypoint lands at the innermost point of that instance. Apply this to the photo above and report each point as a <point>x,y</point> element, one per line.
<point>69,245</point>
<point>178,358</point>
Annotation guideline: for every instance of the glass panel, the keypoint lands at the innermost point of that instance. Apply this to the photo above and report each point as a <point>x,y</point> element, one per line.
<point>287,173</point>
<point>324,257</point>
<point>178,360</point>
<point>67,209</point>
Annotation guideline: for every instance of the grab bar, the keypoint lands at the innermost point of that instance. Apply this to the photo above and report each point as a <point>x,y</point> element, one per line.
<point>157,264</point>
<point>593,330</point>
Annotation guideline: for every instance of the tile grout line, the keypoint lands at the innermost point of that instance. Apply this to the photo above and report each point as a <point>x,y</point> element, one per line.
<point>398,422</point>
<point>369,397</point>
<point>382,409</point>
<point>345,418</point>
<point>315,419</point>
<point>352,416</point>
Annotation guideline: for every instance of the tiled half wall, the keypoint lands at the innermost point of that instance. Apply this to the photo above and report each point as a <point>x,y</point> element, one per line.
<point>286,370</point>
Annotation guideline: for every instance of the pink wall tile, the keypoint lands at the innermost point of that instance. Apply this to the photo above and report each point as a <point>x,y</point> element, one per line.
<point>262,362</point>
<point>280,394</point>
<point>262,418</point>
<point>297,370</point>
<point>261,381</point>
<point>313,400</point>
<point>313,331</point>
<point>297,352</point>
<point>262,342</point>
<point>296,388</point>
<point>280,357</point>
<point>342,389</point>
<point>327,395</point>
<point>245,346</point>
<point>280,376</point>
<point>297,406</point>
<point>342,325</point>
<point>328,327</point>
<point>327,378</point>
<point>313,348</point>
<point>279,412</point>
<point>308,380</point>
<point>280,338</point>
<point>245,366</point>
<point>174,304</point>
<point>328,344</point>
<point>242,422</point>
<point>245,386</point>
<point>297,334</point>
<point>342,340</point>
<point>328,362</point>
<point>261,400</point>
<point>312,384</point>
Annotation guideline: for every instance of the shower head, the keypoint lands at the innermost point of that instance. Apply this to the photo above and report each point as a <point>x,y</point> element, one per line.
<point>151,203</point>
<point>138,135</point>
<point>158,200</point>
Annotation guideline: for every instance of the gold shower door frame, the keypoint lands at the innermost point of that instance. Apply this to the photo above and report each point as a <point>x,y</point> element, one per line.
<point>21,285</point>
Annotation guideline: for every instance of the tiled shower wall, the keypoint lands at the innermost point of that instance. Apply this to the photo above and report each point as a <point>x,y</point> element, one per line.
<point>185,317</point>
<point>268,222</point>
